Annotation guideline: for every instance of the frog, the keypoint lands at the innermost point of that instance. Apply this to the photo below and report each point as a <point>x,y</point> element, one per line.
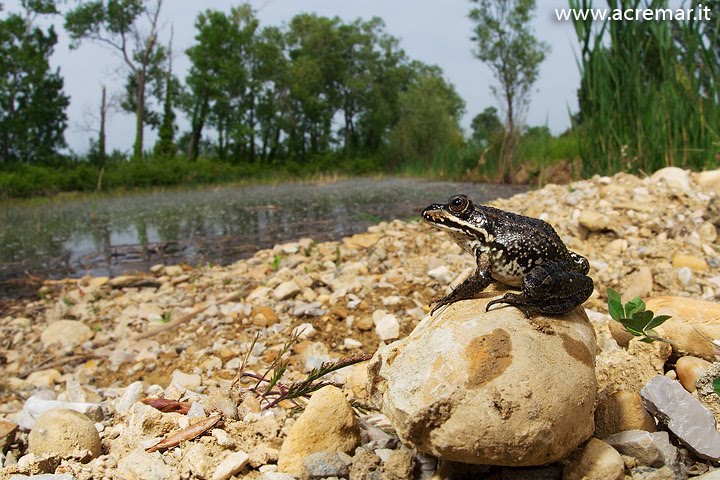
<point>516,251</point>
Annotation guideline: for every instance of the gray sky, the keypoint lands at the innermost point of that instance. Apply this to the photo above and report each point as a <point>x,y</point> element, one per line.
<point>433,31</point>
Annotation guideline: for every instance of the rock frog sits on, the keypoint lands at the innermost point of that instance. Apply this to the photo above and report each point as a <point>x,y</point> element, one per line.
<point>514,250</point>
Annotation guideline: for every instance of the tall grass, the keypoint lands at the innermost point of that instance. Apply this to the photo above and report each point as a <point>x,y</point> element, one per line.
<point>650,91</point>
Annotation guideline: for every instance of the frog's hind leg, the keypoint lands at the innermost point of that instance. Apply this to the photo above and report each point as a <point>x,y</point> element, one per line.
<point>549,288</point>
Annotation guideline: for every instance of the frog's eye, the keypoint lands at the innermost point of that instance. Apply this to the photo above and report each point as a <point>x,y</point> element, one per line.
<point>459,203</point>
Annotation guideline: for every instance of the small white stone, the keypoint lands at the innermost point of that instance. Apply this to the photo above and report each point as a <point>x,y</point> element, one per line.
<point>304,330</point>
<point>286,290</point>
<point>387,327</point>
<point>232,464</point>
<point>187,380</point>
<point>351,344</point>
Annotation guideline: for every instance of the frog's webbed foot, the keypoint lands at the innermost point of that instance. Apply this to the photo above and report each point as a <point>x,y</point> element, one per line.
<point>550,288</point>
<point>518,300</point>
<point>471,286</point>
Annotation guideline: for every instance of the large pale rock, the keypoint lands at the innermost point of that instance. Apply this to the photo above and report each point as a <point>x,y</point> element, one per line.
<point>66,434</point>
<point>490,388</point>
<point>675,177</point>
<point>692,424</point>
<point>68,333</point>
<point>327,424</point>
<point>693,325</point>
<point>709,180</point>
<point>598,461</point>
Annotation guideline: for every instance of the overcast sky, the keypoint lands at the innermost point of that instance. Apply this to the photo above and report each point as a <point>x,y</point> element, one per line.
<point>434,31</point>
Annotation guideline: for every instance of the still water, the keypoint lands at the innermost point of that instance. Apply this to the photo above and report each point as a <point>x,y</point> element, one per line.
<point>119,234</point>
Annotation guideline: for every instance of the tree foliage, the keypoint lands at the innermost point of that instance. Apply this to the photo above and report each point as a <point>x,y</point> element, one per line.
<point>119,25</point>
<point>505,43</point>
<point>484,125</point>
<point>429,115</point>
<point>32,102</point>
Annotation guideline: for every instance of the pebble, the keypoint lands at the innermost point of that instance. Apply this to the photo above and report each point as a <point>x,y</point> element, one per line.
<point>286,290</point>
<point>64,433</point>
<point>44,378</point>
<point>130,395</point>
<point>67,333</point>
<point>688,370</point>
<point>692,423</point>
<point>594,221</point>
<point>651,449</point>
<point>692,262</point>
<point>231,465</point>
<point>387,327</point>
<point>597,461</point>
<point>304,331</point>
<point>351,344</point>
<point>190,381</point>
<point>327,424</point>
<point>622,411</point>
<point>43,401</point>
<point>441,274</point>
<point>327,464</point>
<point>7,434</point>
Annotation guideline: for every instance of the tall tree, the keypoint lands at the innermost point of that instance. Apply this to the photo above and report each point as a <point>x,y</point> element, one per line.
<point>505,43</point>
<point>130,29</point>
<point>165,146</point>
<point>484,125</point>
<point>429,117</point>
<point>32,102</point>
<point>218,75</point>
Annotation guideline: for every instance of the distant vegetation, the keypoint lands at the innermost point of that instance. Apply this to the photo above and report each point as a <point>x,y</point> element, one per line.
<point>322,95</point>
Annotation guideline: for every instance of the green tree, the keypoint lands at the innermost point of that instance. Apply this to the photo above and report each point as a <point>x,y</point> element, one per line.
<point>165,146</point>
<point>120,26</point>
<point>484,125</point>
<point>32,102</point>
<point>505,43</point>
<point>429,116</point>
<point>218,77</point>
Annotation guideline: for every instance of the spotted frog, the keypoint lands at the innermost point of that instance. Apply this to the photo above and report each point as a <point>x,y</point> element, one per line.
<point>514,250</point>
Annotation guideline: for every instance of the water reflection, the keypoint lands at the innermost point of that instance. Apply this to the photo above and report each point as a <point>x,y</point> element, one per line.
<point>115,235</point>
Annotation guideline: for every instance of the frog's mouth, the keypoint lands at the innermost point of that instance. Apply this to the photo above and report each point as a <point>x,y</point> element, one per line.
<point>438,217</point>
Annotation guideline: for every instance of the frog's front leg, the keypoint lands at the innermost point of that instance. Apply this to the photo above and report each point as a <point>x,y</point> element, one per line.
<point>471,286</point>
<point>549,288</point>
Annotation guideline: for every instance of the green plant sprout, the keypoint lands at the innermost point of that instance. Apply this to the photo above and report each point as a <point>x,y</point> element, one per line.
<point>271,391</point>
<point>275,264</point>
<point>635,318</point>
<point>716,385</point>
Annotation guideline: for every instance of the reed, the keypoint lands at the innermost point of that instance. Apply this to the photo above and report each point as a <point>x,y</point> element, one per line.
<point>650,90</point>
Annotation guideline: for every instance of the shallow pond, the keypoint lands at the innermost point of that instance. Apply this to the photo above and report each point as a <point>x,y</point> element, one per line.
<point>112,235</point>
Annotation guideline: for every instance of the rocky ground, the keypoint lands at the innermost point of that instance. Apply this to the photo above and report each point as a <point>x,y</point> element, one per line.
<point>98,346</point>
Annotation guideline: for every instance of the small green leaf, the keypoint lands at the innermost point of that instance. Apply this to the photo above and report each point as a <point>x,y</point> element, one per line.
<point>647,340</point>
<point>716,385</point>
<point>614,304</point>
<point>657,321</point>
<point>643,317</point>
<point>633,306</point>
